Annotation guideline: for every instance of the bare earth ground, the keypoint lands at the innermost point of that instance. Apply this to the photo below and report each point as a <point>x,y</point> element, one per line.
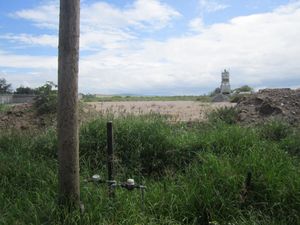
<point>24,117</point>
<point>259,107</point>
<point>177,110</point>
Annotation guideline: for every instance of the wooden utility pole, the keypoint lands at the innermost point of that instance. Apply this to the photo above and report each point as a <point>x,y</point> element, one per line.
<point>67,115</point>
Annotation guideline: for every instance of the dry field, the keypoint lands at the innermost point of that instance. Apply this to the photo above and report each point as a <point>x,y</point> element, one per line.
<point>177,110</point>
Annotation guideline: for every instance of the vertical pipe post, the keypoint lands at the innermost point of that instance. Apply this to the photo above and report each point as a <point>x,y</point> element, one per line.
<point>110,157</point>
<point>67,112</point>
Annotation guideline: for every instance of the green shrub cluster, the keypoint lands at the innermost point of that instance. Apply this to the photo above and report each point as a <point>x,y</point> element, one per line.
<point>142,145</point>
<point>4,107</point>
<point>227,115</point>
<point>275,130</point>
<point>46,99</point>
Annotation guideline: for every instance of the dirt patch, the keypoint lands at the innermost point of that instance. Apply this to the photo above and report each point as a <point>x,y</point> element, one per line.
<point>266,104</point>
<point>176,110</point>
<point>23,117</point>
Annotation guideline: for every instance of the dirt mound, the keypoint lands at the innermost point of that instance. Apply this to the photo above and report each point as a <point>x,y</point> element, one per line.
<point>23,117</point>
<point>270,103</point>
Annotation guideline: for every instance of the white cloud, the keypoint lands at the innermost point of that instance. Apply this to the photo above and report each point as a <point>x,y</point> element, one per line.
<point>31,40</point>
<point>27,61</point>
<point>148,14</point>
<point>261,50</point>
<point>211,6</point>
<point>196,24</point>
<point>44,16</point>
<point>102,25</point>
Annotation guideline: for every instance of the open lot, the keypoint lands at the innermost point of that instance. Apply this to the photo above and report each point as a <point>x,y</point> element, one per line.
<point>177,110</point>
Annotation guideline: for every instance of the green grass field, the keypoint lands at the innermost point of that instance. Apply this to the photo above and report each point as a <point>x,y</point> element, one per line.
<point>195,174</point>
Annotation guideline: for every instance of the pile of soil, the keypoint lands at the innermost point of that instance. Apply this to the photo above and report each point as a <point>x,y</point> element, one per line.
<point>266,104</point>
<point>24,117</point>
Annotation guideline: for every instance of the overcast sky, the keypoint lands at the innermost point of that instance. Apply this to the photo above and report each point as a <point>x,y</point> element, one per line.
<point>156,47</point>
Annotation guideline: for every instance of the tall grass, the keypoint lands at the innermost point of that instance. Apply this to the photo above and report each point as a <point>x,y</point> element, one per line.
<point>194,175</point>
<point>4,107</point>
<point>93,98</point>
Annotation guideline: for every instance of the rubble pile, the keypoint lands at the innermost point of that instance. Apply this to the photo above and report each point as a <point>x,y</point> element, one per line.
<point>21,117</point>
<point>281,103</point>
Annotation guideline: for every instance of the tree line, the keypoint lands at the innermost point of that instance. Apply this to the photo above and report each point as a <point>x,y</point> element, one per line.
<point>6,88</point>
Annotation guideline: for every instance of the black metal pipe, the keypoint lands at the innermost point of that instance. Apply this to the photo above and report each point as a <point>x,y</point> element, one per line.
<point>110,156</point>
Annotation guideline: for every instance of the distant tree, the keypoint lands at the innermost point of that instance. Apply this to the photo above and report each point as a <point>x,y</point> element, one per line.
<point>25,90</point>
<point>4,87</point>
<point>244,88</point>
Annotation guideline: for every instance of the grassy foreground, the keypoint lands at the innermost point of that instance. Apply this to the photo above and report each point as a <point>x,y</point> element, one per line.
<point>195,174</point>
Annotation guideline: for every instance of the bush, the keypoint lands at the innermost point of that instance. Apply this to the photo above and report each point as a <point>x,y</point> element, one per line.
<point>4,107</point>
<point>275,130</point>
<point>141,144</point>
<point>227,115</point>
<point>291,143</point>
<point>45,144</point>
<point>46,99</point>
<point>210,189</point>
<point>236,98</point>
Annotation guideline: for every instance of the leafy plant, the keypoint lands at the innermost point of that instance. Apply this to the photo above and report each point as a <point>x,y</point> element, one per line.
<point>291,144</point>
<point>4,107</point>
<point>227,115</point>
<point>46,99</point>
<point>275,130</point>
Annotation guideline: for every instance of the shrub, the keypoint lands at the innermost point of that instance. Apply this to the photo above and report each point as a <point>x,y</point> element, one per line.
<point>275,130</point>
<point>45,144</point>
<point>291,143</point>
<point>141,144</point>
<point>227,115</point>
<point>46,99</point>
<point>236,98</point>
<point>4,107</point>
<point>92,144</point>
<point>210,188</point>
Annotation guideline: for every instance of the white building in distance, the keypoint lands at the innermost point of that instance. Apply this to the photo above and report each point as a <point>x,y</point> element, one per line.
<point>225,85</point>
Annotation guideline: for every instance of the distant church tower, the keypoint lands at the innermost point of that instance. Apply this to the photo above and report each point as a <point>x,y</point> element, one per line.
<point>225,85</point>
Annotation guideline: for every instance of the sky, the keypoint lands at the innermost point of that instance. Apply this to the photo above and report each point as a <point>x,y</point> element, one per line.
<point>156,47</point>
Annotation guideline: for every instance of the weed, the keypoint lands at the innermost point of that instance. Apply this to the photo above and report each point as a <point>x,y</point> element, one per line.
<point>194,175</point>
<point>4,108</point>
<point>227,115</point>
<point>275,130</point>
<point>46,99</point>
